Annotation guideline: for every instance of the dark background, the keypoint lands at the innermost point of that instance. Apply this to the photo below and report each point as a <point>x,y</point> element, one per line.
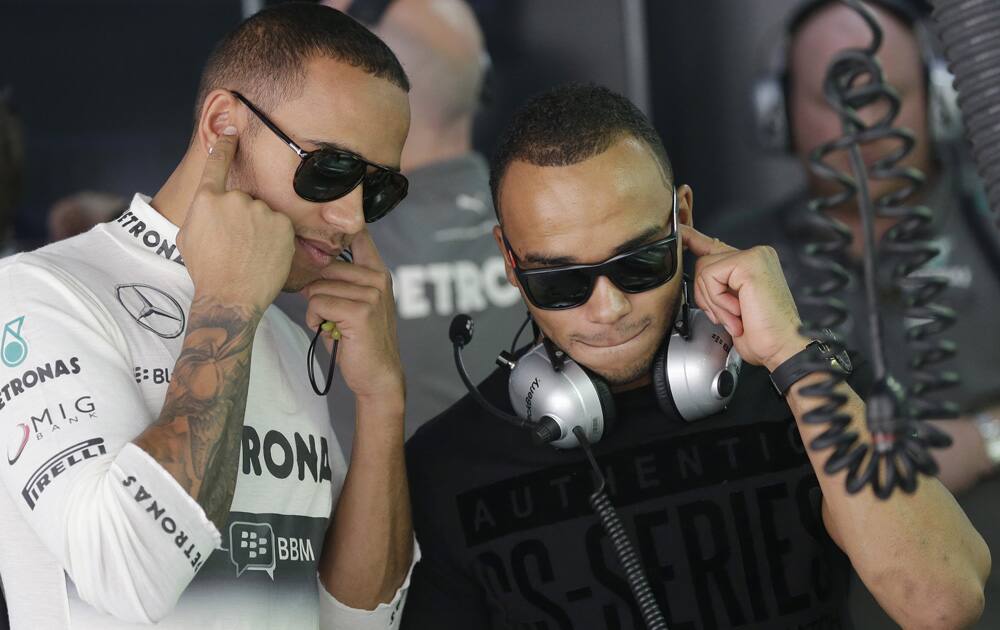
<point>106,88</point>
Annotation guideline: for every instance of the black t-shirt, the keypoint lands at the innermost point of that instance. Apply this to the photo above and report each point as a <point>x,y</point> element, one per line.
<point>725,513</point>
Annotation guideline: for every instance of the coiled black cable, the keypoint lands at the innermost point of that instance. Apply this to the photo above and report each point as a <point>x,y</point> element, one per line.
<point>970,31</point>
<point>600,502</point>
<point>900,440</point>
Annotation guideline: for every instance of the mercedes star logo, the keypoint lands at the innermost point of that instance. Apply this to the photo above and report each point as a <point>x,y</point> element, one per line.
<point>152,309</point>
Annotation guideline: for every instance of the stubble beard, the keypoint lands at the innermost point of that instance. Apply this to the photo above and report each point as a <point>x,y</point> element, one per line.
<point>636,370</point>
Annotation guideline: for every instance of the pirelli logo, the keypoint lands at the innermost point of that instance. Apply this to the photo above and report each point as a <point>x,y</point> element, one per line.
<point>59,464</point>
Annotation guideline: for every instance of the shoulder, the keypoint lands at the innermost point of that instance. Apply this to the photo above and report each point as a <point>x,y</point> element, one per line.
<point>47,274</point>
<point>65,288</point>
<point>65,262</point>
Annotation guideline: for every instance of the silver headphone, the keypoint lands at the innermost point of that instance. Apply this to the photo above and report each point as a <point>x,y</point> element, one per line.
<point>769,97</point>
<point>695,373</point>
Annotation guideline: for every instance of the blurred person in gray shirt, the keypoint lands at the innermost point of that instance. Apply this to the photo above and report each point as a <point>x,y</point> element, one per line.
<point>440,249</point>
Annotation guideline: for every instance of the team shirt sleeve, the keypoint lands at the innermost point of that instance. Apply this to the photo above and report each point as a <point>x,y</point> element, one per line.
<point>127,534</point>
<point>334,615</point>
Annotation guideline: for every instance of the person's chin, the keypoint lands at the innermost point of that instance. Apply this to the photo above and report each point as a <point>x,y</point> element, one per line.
<point>618,364</point>
<point>298,279</point>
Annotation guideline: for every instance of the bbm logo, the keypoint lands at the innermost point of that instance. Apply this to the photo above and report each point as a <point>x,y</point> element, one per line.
<point>251,547</point>
<point>254,545</point>
<point>159,376</point>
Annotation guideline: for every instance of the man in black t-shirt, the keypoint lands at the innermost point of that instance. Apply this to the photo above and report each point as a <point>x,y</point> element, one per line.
<point>733,526</point>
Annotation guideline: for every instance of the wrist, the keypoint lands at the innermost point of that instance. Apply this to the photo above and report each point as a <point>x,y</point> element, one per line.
<point>792,346</point>
<point>388,401</point>
<point>231,298</point>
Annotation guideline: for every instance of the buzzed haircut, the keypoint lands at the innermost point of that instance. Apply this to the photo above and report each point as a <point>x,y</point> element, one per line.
<point>265,56</point>
<point>568,124</point>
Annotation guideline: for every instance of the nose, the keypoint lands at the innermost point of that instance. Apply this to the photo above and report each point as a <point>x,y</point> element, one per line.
<point>607,303</point>
<point>346,215</point>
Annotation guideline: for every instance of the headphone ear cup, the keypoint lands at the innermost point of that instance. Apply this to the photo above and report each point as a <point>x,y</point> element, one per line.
<point>661,384</point>
<point>608,409</point>
<point>770,110</point>
<point>944,118</point>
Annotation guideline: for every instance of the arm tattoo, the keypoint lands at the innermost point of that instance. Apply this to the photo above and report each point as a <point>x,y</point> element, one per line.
<point>197,436</point>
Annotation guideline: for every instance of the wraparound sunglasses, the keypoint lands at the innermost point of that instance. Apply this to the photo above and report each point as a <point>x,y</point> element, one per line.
<point>327,174</point>
<point>568,286</point>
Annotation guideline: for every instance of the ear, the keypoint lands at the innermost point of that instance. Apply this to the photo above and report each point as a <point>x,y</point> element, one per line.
<point>220,110</point>
<point>685,205</point>
<point>508,262</point>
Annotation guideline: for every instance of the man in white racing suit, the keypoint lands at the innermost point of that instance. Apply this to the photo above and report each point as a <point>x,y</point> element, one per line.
<point>165,459</point>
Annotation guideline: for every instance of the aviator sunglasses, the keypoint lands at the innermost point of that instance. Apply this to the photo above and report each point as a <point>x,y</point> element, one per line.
<point>329,173</point>
<point>568,286</point>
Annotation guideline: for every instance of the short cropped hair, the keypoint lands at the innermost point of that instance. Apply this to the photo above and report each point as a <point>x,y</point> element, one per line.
<point>568,124</point>
<point>265,56</point>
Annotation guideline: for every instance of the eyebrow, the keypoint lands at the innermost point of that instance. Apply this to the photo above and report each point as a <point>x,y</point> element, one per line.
<point>552,261</point>
<point>333,146</point>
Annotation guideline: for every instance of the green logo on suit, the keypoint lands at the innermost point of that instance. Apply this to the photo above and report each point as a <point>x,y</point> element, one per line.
<point>13,347</point>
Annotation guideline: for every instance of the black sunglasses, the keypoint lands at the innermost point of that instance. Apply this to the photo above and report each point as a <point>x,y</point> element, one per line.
<point>327,174</point>
<point>568,286</point>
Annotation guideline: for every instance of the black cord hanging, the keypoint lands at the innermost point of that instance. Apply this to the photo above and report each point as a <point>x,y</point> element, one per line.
<point>900,439</point>
<point>600,502</point>
<point>311,360</point>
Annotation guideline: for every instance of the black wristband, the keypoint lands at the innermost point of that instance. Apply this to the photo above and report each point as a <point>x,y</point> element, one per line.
<point>803,363</point>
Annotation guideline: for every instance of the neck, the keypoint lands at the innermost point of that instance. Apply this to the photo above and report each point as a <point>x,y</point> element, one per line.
<point>427,145</point>
<point>642,381</point>
<point>175,196</point>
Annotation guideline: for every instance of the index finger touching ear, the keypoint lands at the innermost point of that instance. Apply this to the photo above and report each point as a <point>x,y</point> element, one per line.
<point>702,245</point>
<point>220,157</point>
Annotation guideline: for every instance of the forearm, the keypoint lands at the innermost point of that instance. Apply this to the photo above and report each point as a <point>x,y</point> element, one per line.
<point>369,546</point>
<point>197,435</point>
<point>918,553</point>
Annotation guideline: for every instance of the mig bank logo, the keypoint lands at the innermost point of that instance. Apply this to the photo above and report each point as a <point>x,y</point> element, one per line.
<point>13,347</point>
<point>251,547</point>
<point>152,309</point>
<point>16,445</point>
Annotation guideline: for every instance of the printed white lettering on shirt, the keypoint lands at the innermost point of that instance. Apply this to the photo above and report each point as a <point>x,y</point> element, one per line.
<point>255,547</point>
<point>446,288</point>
